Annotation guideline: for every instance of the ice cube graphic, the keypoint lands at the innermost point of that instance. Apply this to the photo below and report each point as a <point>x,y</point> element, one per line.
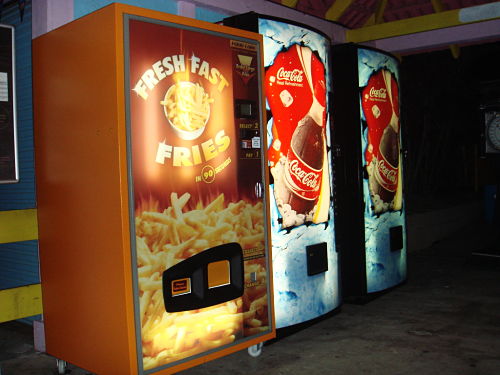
<point>384,268</point>
<point>297,296</point>
<point>286,98</point>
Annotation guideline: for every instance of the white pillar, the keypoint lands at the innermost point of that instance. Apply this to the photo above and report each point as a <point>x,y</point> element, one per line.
<point>50,14</point>
<point>186,9</point>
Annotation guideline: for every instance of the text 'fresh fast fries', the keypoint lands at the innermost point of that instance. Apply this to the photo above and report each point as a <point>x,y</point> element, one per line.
<point>187,106</point>
<point>164,239</point>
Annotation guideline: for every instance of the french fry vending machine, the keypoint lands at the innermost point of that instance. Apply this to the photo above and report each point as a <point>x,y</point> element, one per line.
<point>370,209</point>
<point>150,183</point>
<point>297,84</point>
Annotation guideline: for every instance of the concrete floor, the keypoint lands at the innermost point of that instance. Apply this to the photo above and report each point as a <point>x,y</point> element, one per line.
<point>444,320</point>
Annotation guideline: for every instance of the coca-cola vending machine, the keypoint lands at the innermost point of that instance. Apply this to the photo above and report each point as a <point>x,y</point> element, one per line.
<point>368,169</point>
<point>297,83</point>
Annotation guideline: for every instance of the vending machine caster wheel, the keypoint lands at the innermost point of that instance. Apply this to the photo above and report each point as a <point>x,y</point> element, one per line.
<point>61,366</point>
<point>255,350</point>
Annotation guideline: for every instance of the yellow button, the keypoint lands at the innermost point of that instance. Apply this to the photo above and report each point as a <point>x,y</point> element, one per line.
<point>181,286</point>
<point>218,274</point>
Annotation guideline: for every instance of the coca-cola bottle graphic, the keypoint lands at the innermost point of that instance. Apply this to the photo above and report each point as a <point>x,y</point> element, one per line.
<point>380,103</point>
<point>303,170</point>
<point>386,167</point>
<point>296,93</point>
<point>304,166</point>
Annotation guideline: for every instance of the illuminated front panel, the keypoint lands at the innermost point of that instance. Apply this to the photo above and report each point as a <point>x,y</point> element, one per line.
<point>297,82</point>
<point>384,213</point>
<point>189,142</point>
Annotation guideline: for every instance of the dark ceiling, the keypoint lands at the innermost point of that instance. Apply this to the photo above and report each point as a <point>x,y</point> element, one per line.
<point>358,13</point>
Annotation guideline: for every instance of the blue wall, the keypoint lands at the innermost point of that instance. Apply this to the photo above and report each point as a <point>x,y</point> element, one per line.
<point>19,263</point>
<point>209,15</point>
<point>83,7</point>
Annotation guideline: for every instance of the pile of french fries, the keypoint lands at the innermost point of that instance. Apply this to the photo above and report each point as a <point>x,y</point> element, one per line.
<point>164,239</point>
<point>187,105</point>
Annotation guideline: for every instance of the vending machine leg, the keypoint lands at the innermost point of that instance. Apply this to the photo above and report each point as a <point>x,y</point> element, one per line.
<point>255,350</point>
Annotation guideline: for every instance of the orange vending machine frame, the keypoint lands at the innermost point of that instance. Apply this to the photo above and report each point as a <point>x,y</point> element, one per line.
<point>86,208</point>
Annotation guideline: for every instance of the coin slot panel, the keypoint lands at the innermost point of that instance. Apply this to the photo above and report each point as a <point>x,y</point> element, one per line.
<point>396,238</point>
<point>317,258</point>
<point>215,275</point>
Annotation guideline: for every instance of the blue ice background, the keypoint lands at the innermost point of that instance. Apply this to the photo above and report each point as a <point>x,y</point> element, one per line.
<point>384,268</point>
<point>297,296</point>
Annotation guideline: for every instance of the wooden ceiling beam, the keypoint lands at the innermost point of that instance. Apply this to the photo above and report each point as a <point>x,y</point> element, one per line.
<point>379,12</point>
<point>377,17</point>
<point>429,22</point>
<point>438,8</point>
<point>289,3</point>
<point>337,9</point>
<point>437,5</point>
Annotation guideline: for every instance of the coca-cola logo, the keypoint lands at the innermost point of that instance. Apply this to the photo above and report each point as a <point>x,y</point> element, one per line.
<point>381,93</point>
<point>388,172</point>
<point>307,179</point>
<point>294,75</point>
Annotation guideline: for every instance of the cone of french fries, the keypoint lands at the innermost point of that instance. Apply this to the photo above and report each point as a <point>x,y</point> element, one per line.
<point>187,108</point>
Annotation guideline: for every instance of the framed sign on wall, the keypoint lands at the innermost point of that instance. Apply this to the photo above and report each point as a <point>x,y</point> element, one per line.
<point>9,170</point>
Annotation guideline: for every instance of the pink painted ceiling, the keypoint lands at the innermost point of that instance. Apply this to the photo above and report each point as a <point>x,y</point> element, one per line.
<point>358,13</point>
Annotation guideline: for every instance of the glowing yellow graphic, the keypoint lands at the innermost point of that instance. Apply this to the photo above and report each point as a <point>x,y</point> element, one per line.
<point>187,107</point>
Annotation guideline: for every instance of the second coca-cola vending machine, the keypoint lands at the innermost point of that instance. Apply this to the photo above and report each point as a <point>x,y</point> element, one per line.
<point>297,84</point>
<point>369,201</point>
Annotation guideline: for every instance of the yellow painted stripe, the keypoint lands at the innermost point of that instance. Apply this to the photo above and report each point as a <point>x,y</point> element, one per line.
<point>18,225</point>
<point>407,26</point>
<point>289,3</point>
<point>337,9</point>
<point>21,302</point>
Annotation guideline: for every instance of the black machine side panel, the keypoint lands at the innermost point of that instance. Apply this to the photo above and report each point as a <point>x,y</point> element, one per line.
<point>348,172</point>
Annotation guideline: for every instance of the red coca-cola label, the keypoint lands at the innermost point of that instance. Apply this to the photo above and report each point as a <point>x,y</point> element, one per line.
<point>380,103</point>
<point>377,109</point>
<point>386,174</point>
<point>300,178</point>
<point>295,75</point>
<point>289,94</point>
<point>319,84</point>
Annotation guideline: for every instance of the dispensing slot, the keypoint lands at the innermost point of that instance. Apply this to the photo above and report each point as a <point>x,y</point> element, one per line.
<point>246,108</point>
<point>396,238</point>
<point>213,276</point>
<point>218,274</point>
<point>317,258</point>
